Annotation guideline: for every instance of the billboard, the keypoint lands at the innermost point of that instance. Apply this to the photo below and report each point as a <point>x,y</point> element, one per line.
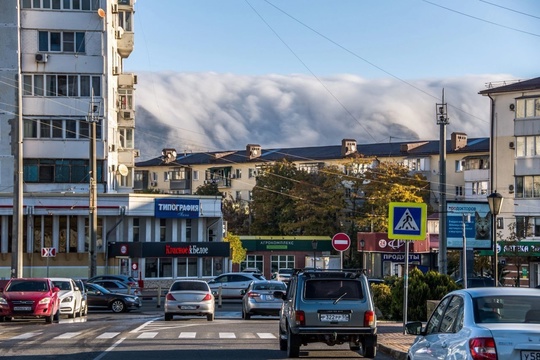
<point>477,219</point>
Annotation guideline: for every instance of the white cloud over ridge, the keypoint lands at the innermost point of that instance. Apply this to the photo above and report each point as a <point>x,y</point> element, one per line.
<point>210,111</point>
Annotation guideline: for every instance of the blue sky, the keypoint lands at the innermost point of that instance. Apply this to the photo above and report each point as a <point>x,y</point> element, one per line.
<point>409,39</point>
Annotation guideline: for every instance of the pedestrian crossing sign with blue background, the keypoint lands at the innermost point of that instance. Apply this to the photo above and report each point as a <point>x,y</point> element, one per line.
<point>407,221</point>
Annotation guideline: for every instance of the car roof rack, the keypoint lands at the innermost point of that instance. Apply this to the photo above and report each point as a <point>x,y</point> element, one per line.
<point>328,273</point>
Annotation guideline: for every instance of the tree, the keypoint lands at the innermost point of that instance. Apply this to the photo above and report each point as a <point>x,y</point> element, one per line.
<point>208,189</point>
<point>238,252</point>
<point>237,215</point>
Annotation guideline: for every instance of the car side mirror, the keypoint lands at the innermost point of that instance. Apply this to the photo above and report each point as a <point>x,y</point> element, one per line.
<point>56,289</point>
<point>243,292</point>
<point>414,328</point>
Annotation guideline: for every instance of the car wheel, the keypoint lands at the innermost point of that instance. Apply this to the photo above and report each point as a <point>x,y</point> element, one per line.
<point>354,346</point>
<point>118,306</point>
<point>49,319</point>
<point>168,317</point>
<point>210,317</point>
<point>73,314</point>
<point>56,317</point>
<point>293,344</point>
<point>369,351</point>
<point>85,310</point>
<point>245,315</point>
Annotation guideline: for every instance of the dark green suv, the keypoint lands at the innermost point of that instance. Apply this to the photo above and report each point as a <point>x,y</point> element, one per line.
<point>330,306</point>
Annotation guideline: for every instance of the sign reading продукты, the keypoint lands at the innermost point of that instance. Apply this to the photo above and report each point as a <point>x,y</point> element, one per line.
<point>177,208</point>
<point>407,221</point>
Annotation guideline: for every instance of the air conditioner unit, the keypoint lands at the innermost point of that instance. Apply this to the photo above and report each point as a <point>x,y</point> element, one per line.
<point>112,148</point>
<point>116,70</point>
<point>254,173</point>
<point>114,8</point>
<point>118,34</point>
<point>511,145</point>
<point>126,114</point>
<point>153,183</point>
<point>134,79</point>
<point>511,189</point>
<point>512,107</point>
<point>42,58</point>
<point>137,153</point>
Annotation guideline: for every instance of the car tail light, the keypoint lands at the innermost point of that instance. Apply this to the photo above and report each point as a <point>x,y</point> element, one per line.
<point>483,349</point>
<point>170,297</point>
<point>300,317</point>
<point>208,297</point>
<point>369,318</point>
<point>252,294</point>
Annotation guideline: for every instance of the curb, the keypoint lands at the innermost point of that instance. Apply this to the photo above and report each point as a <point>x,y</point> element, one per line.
<point>396,354</point>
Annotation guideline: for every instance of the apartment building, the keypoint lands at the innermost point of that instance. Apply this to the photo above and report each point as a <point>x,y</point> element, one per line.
<point>62,76</point>
<point>515,121</point>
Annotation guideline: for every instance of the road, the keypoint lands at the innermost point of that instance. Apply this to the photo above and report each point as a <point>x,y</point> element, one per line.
<point>145,335</point>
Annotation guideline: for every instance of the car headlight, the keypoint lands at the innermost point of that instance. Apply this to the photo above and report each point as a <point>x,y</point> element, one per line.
<point>67,299</point>
<point>3,301</point>
<point>132,299</point>
<point>44,301</point>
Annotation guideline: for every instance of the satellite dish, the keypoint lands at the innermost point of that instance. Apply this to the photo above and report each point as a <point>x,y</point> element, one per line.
<point>123,170</point>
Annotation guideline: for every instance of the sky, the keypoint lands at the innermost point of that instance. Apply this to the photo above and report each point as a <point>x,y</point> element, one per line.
<point>217,75</point>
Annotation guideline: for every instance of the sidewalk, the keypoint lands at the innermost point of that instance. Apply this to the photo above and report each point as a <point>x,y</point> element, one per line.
<point>391,339</point>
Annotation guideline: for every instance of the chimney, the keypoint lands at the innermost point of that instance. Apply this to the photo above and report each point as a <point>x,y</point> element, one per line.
<point>410,146</point>
<point>168,155</point>
<point>348,146</point>
<point>253,151</point>
<point>459,140</point>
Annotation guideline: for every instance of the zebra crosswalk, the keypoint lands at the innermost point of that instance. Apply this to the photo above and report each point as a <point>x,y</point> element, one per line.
<point>30,336</point>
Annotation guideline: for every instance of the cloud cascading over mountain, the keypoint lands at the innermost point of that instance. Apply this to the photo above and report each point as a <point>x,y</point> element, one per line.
<point>209,111</point>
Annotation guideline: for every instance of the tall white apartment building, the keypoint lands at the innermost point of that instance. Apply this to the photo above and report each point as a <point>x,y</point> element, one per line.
<point>61,71</point>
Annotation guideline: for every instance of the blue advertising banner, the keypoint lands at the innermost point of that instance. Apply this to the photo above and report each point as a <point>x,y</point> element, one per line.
<point>176,208</point>
<point>477,220</point>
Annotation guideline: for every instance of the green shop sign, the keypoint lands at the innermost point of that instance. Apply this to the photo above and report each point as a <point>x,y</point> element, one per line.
<point>515,248</point>
<point>288,243</point>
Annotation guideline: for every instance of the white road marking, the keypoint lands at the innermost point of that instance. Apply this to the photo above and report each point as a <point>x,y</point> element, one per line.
<point>266,335</point>
<point>187,335</point>
<point>227,335</point>
<point>26,336</point>
<point>147,335</point>
<point>109,349</point>
<point>68,335</point>
<point>108,335</point>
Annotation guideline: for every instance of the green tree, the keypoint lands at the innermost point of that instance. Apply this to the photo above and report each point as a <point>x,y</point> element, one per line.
<point>237,215</point>
<point>238,252</point>
<point>208,189</point>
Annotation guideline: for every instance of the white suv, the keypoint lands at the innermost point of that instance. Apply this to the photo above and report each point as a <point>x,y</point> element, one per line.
<point>70,297</point>
<point>232,284</point>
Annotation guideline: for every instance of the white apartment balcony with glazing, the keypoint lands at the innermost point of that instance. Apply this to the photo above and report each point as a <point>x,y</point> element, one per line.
<point>124,34</point>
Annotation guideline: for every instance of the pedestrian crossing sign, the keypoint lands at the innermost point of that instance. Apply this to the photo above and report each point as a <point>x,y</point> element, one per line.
<point>407,221</point>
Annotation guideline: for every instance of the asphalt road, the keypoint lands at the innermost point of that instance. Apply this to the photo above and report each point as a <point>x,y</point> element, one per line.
<point>143,334</point>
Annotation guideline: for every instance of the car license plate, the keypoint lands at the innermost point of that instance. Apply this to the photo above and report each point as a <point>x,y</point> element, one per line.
<point>335,317</point>
<point>188,307</point>
<point>22,308</point>
<point>530,355</point>
<point>268,297</point>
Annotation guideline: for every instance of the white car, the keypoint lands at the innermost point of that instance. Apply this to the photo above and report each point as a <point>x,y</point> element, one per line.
<point>70,297</point>
<point>501,323</point>
<point>190,297</point>
<point>231,284</point>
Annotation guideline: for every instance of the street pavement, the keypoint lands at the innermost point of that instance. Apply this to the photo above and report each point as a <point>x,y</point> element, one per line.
<point>391,338</point>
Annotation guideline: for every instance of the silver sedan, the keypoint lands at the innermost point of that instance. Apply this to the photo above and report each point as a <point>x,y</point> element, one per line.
<point>259,298</point>
<point>189,297</point>
<point>500,323</point>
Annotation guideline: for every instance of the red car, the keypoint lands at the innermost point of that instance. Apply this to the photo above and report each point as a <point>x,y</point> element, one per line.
<point>30,298</point>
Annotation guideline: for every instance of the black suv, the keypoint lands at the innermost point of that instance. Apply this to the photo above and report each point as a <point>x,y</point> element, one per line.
<point>329,306</point>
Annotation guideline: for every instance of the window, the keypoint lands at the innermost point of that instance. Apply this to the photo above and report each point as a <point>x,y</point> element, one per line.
<point>281,262</point>
<point>238,173</point>
<point>85,5</point>
<point>527,226</point>
<point>479,187</point>
<point>252,173</point>
<point>66,41</point>
<point>62,85</point>
<point>476,163</point>
<point>432,326</point>
<point>179,174</point>
<point>419,164</point>
<point>253,261</point>
<point>126,138</point>
<point>459,190</point>
<point>124,20</point>
<point>527,146</point>
<point>527,186</point>
<point>125,99</point>
<point>238,196</point>
<point>162,229</point>
<point>99,234</point>
<point>195,174</point>
<point>186,267</point>
<point>310,168</point>
<point>59,170</point>
<point>58,129</point>
<point>527,108</point>
<point>452,321</point>
<point>460,165</point>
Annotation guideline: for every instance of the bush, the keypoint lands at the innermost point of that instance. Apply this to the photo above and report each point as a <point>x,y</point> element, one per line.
<point>382,298</point>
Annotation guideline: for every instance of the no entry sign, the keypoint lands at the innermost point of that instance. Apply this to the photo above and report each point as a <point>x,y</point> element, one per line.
<point>341,241</point>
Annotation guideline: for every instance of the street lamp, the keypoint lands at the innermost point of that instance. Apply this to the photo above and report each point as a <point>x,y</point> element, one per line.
<point>362,244</point>
<point>314,246</point>
<point>495,201</point>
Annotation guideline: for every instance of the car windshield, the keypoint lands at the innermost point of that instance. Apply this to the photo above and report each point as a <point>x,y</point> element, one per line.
<point>96,287</point>
<point>62,285</point>
<point>285,271</point>
<point>269,286</point>
<point>27,286</point>
<point>331,289</point>
<point>189,286</point>
<point>506,309</point>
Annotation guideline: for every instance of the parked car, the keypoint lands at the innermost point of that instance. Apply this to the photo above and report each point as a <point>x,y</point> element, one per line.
<point>328,306</point>
<point>284,274</point>
<point>70,297</point>
<point>473,282</point>
<point>189,297</point>
<point>232,284</point>
<point>101,298</point>
<point>84,302</point>
<point>128,280</point>
<point>30,298</point>
<point>500,323</point>
<point>118,287</point>
<point>259,298</point>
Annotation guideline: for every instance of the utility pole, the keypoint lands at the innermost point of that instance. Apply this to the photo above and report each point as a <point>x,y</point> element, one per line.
<point>93,118</point>
<point>442,121</point>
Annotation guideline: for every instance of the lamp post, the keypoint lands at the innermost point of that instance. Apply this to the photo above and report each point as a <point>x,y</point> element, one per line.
<point>362,244</point>
<point>495,201</point>
<point>314,247</point>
